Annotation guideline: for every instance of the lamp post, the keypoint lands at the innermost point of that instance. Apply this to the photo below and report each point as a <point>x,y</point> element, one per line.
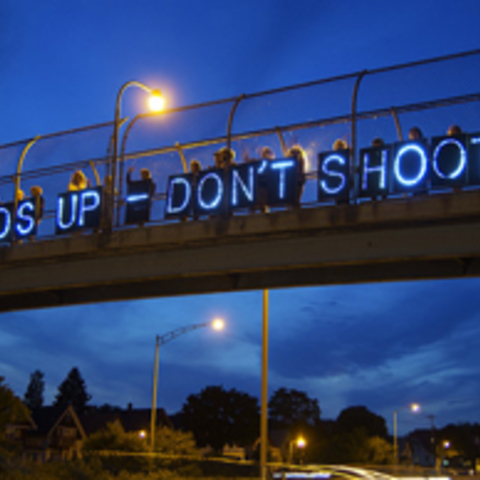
<point>414,407</point>
<point>216,324</point>
<point>264,391</point>
<point>299,443</point>
<point>156,104</point>
<point>445,446</point>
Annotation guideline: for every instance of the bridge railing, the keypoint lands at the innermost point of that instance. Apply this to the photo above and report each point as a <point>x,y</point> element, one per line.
<point>354,107</point>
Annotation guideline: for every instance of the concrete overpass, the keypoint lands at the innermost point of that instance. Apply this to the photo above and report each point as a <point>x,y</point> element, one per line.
<point>429,237</point>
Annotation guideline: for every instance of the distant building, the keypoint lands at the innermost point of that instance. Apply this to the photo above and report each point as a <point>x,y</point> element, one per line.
<point>133,420</point>
<point>57,434</point>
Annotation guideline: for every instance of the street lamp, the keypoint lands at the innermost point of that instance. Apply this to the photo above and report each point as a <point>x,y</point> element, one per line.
<point>299,443</point>
<point>413,407</point>
<point>217,324</point>
<point>156,104</point>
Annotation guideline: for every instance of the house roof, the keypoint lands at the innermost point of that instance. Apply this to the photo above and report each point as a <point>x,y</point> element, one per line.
<point>48,418</point>
<point>131,419</point>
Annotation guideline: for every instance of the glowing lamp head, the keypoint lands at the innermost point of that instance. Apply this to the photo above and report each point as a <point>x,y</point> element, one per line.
<point>218,324</point>
<point>415,407</point>
<point>446,444</point>
<point>156,102</point>
<point>301,442</point>
<point>142,433</point>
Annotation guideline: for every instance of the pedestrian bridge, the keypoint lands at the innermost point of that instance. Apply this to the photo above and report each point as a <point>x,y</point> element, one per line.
<point>363,218</point>
<point>412,238</point>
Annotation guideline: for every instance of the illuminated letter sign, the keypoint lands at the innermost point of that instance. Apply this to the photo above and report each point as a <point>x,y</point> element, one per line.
<point>373,175</point>
<point>139,194</point>
<point>26,222</point>
<point>449,161</point>
<point>6,222</point>
<point>282,181</point>
<point>24,225</point>
<point>209,195</point>
<point>77,210</point>
<point>410,167</point>
<point>333,176</point>
<point>179,196</point>
<point>474,159</point>
<point>243,185</point>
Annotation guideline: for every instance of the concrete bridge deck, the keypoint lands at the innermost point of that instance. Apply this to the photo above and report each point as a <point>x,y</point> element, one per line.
<point>419,237</point>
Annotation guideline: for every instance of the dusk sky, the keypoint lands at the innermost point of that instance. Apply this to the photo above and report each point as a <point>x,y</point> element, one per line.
<point>378,345</point>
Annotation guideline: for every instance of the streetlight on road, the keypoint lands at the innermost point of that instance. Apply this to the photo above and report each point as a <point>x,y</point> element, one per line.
<point>413,407</point>
<point>216,324</point>
<point>299,443</point>
<point>156,104</point>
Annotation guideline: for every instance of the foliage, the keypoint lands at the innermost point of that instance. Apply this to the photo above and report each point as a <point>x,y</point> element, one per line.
<point>351,447</point>
<point>174,442</point>
<point>380,451</point>
<point>352,418</point>
<point>33,397</point>
<point>73,391</point>
<point>114,437</point>
<point>218,417</point>
<point>12,410</point>
<point>464,438</point>
<point>290,407</point>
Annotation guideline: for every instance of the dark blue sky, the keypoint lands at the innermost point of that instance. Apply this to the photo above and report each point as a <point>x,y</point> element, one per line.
<point>379,345</point>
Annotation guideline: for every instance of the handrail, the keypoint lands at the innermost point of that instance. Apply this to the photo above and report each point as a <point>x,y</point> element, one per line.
<point>230,119</point>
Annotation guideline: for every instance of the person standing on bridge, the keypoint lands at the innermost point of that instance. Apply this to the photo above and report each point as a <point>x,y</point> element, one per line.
<point>298,154</point>
<point>139,196</point>
<point>78,182</point>
<point>266,155</point>
<point>195,169</point>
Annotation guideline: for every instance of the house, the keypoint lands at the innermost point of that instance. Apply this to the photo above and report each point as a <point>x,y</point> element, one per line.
<point>16,432</point>
<point>419,446</point>
<point>133,420</point>
<point>278,446</point>
<point>57,434</point>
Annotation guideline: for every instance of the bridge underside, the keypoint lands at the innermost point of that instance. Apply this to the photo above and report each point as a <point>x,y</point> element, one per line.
<point>405,239</point>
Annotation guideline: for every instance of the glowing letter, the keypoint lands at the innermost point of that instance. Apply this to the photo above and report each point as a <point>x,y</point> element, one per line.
<point>7,222</point>
<point>410,182</point>
<point>73,212</point>
<point>462,161</point>
<point>171,190</point>
<point>282,166</point>
<point>28,217</point>
<point>332,173</point>
<point>137,197</point>
<point>237,180</point>
<point>382,169</point>
<point>215,202</point>
<point>85,207</point>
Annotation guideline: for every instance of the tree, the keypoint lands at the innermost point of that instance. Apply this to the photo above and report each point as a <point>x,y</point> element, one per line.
<point>217,417</point>
<point>289,408</point>
<point>33,397</point>
<point>174,442</point>
<point>380,451</point>
<point>352,418</point>
<point>113,437</point>
<point>12,409</point>
<point>72,391</point>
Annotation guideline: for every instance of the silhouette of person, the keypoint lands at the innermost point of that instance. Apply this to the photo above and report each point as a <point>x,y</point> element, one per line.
<point>298,154</point>
<point>78,181</point>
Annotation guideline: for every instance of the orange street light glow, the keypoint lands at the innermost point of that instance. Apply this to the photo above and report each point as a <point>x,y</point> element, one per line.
<point>218,324</point>
<point>301,443</point>
<point>156,101</point>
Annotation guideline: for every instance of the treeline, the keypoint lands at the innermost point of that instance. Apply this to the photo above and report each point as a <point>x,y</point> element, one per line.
<point>217,417</point>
